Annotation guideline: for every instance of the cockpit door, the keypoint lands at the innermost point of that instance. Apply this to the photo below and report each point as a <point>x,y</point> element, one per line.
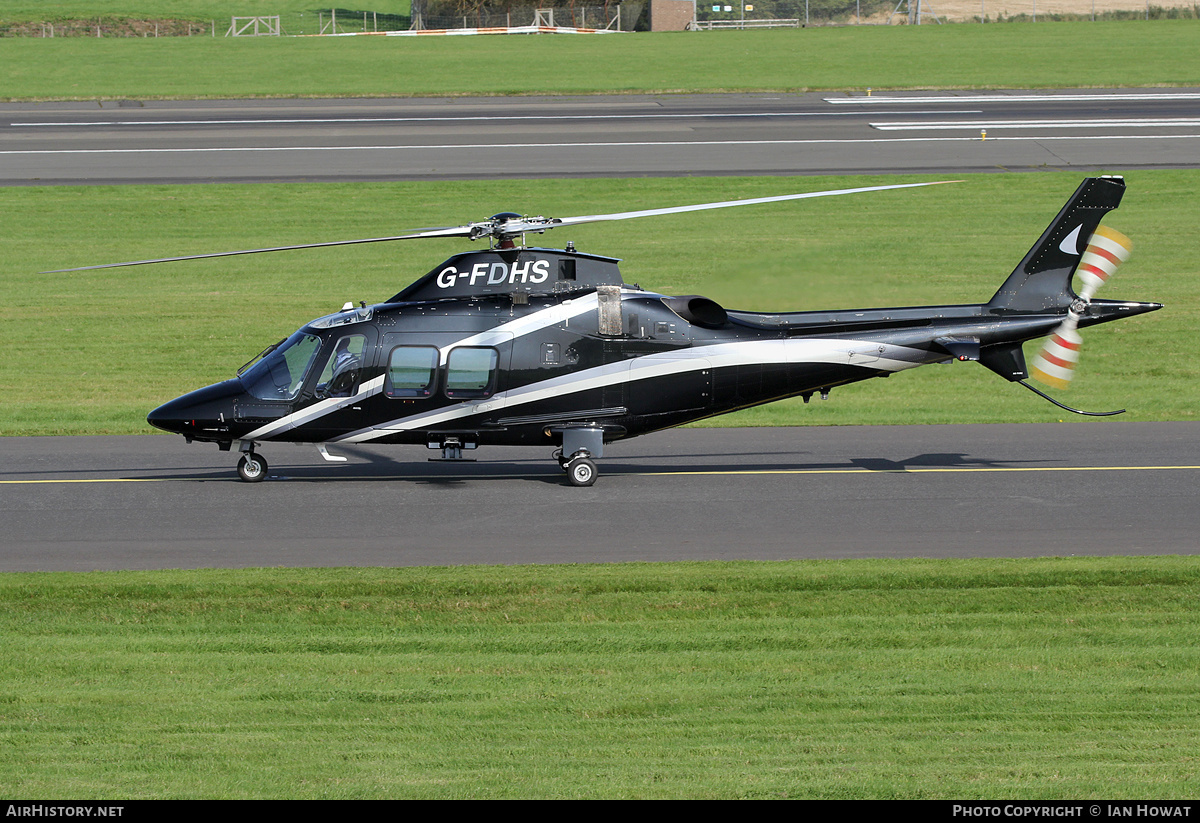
<point>344,380</point>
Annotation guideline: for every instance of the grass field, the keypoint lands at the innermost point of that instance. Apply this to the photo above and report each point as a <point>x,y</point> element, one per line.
<point>1040,679</point>
<point>1045,55</point>
<point>94,351</point>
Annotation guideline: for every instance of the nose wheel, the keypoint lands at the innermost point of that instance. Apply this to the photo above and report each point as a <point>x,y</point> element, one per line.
<point>252,467</point>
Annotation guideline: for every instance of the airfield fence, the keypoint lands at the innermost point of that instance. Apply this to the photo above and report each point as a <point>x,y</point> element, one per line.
<point>339,21</point>
<point>633,15</point>
<point>612,16</point>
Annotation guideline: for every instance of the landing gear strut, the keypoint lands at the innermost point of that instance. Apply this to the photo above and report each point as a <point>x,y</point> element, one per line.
<point>580,445</point>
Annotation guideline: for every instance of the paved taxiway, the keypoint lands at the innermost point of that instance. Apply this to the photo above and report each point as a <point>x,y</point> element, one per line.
<point>1095,487</point>
<point>629,135</point>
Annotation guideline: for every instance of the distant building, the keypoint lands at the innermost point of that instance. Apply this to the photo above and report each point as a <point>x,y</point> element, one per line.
<point>671,15</point>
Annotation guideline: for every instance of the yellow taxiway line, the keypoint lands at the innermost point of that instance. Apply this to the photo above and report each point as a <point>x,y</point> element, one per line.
<point>671,473</point>
<point>918,470</point>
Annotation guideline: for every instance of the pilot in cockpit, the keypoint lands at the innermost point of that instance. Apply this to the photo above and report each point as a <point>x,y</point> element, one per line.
<point>344,372</point>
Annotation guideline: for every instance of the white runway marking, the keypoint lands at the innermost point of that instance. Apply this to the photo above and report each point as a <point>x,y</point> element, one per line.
<point>943,125</point>
<point>1016,98</point>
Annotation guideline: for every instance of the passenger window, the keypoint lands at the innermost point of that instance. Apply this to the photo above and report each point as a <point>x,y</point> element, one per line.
<point>412,371</point>
<point>471,372</point>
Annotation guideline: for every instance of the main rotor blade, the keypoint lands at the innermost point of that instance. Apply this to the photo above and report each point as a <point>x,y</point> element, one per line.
<point>450,231</point>
<point>518,226</point>
<point>513,227</point>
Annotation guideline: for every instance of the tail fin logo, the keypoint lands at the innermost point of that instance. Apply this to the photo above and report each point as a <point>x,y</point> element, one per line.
<point>1070,243</point>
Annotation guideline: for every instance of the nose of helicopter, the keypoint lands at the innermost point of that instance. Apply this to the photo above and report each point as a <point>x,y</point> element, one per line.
<point>204,414</point>
<point>171,417</point>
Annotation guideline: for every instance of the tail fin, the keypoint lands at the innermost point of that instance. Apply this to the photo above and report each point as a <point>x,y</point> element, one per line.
<point>1043,279</point>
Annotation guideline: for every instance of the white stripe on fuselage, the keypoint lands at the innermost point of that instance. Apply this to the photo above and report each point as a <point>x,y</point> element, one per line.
<point>505,332</point>
<point>316,410</point>
<point>721,355</point>
<point>558,313</point>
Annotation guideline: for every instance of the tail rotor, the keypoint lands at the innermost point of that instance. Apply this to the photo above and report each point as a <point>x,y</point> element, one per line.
<point>1106,250</point>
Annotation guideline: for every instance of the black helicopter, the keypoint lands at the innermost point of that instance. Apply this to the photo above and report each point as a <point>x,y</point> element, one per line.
<point>533,346</point>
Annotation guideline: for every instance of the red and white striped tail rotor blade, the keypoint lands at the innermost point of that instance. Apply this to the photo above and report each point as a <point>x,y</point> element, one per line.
<point>1106,249</point>
<point>1055,363</point>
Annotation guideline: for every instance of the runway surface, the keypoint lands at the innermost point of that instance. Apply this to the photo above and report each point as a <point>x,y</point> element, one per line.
<point>634,135</point>
<point>1089,488</point>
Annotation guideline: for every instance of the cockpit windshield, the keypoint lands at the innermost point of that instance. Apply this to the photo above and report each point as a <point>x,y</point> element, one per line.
<point>280,375</point>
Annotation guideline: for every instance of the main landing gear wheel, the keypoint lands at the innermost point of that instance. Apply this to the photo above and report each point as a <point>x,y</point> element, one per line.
<point>252,468</point>
<point>581,471</point>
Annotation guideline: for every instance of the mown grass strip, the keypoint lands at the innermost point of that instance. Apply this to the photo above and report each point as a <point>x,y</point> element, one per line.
<point>92,352</point>
<point>1054,678</point>
<point>1042,55</point>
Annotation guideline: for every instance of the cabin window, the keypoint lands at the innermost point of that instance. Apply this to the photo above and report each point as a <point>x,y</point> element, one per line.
<point>412,371</point>
<point>471,371</point>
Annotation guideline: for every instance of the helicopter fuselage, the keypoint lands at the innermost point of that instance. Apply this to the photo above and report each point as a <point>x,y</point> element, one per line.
<point>518,367</point>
